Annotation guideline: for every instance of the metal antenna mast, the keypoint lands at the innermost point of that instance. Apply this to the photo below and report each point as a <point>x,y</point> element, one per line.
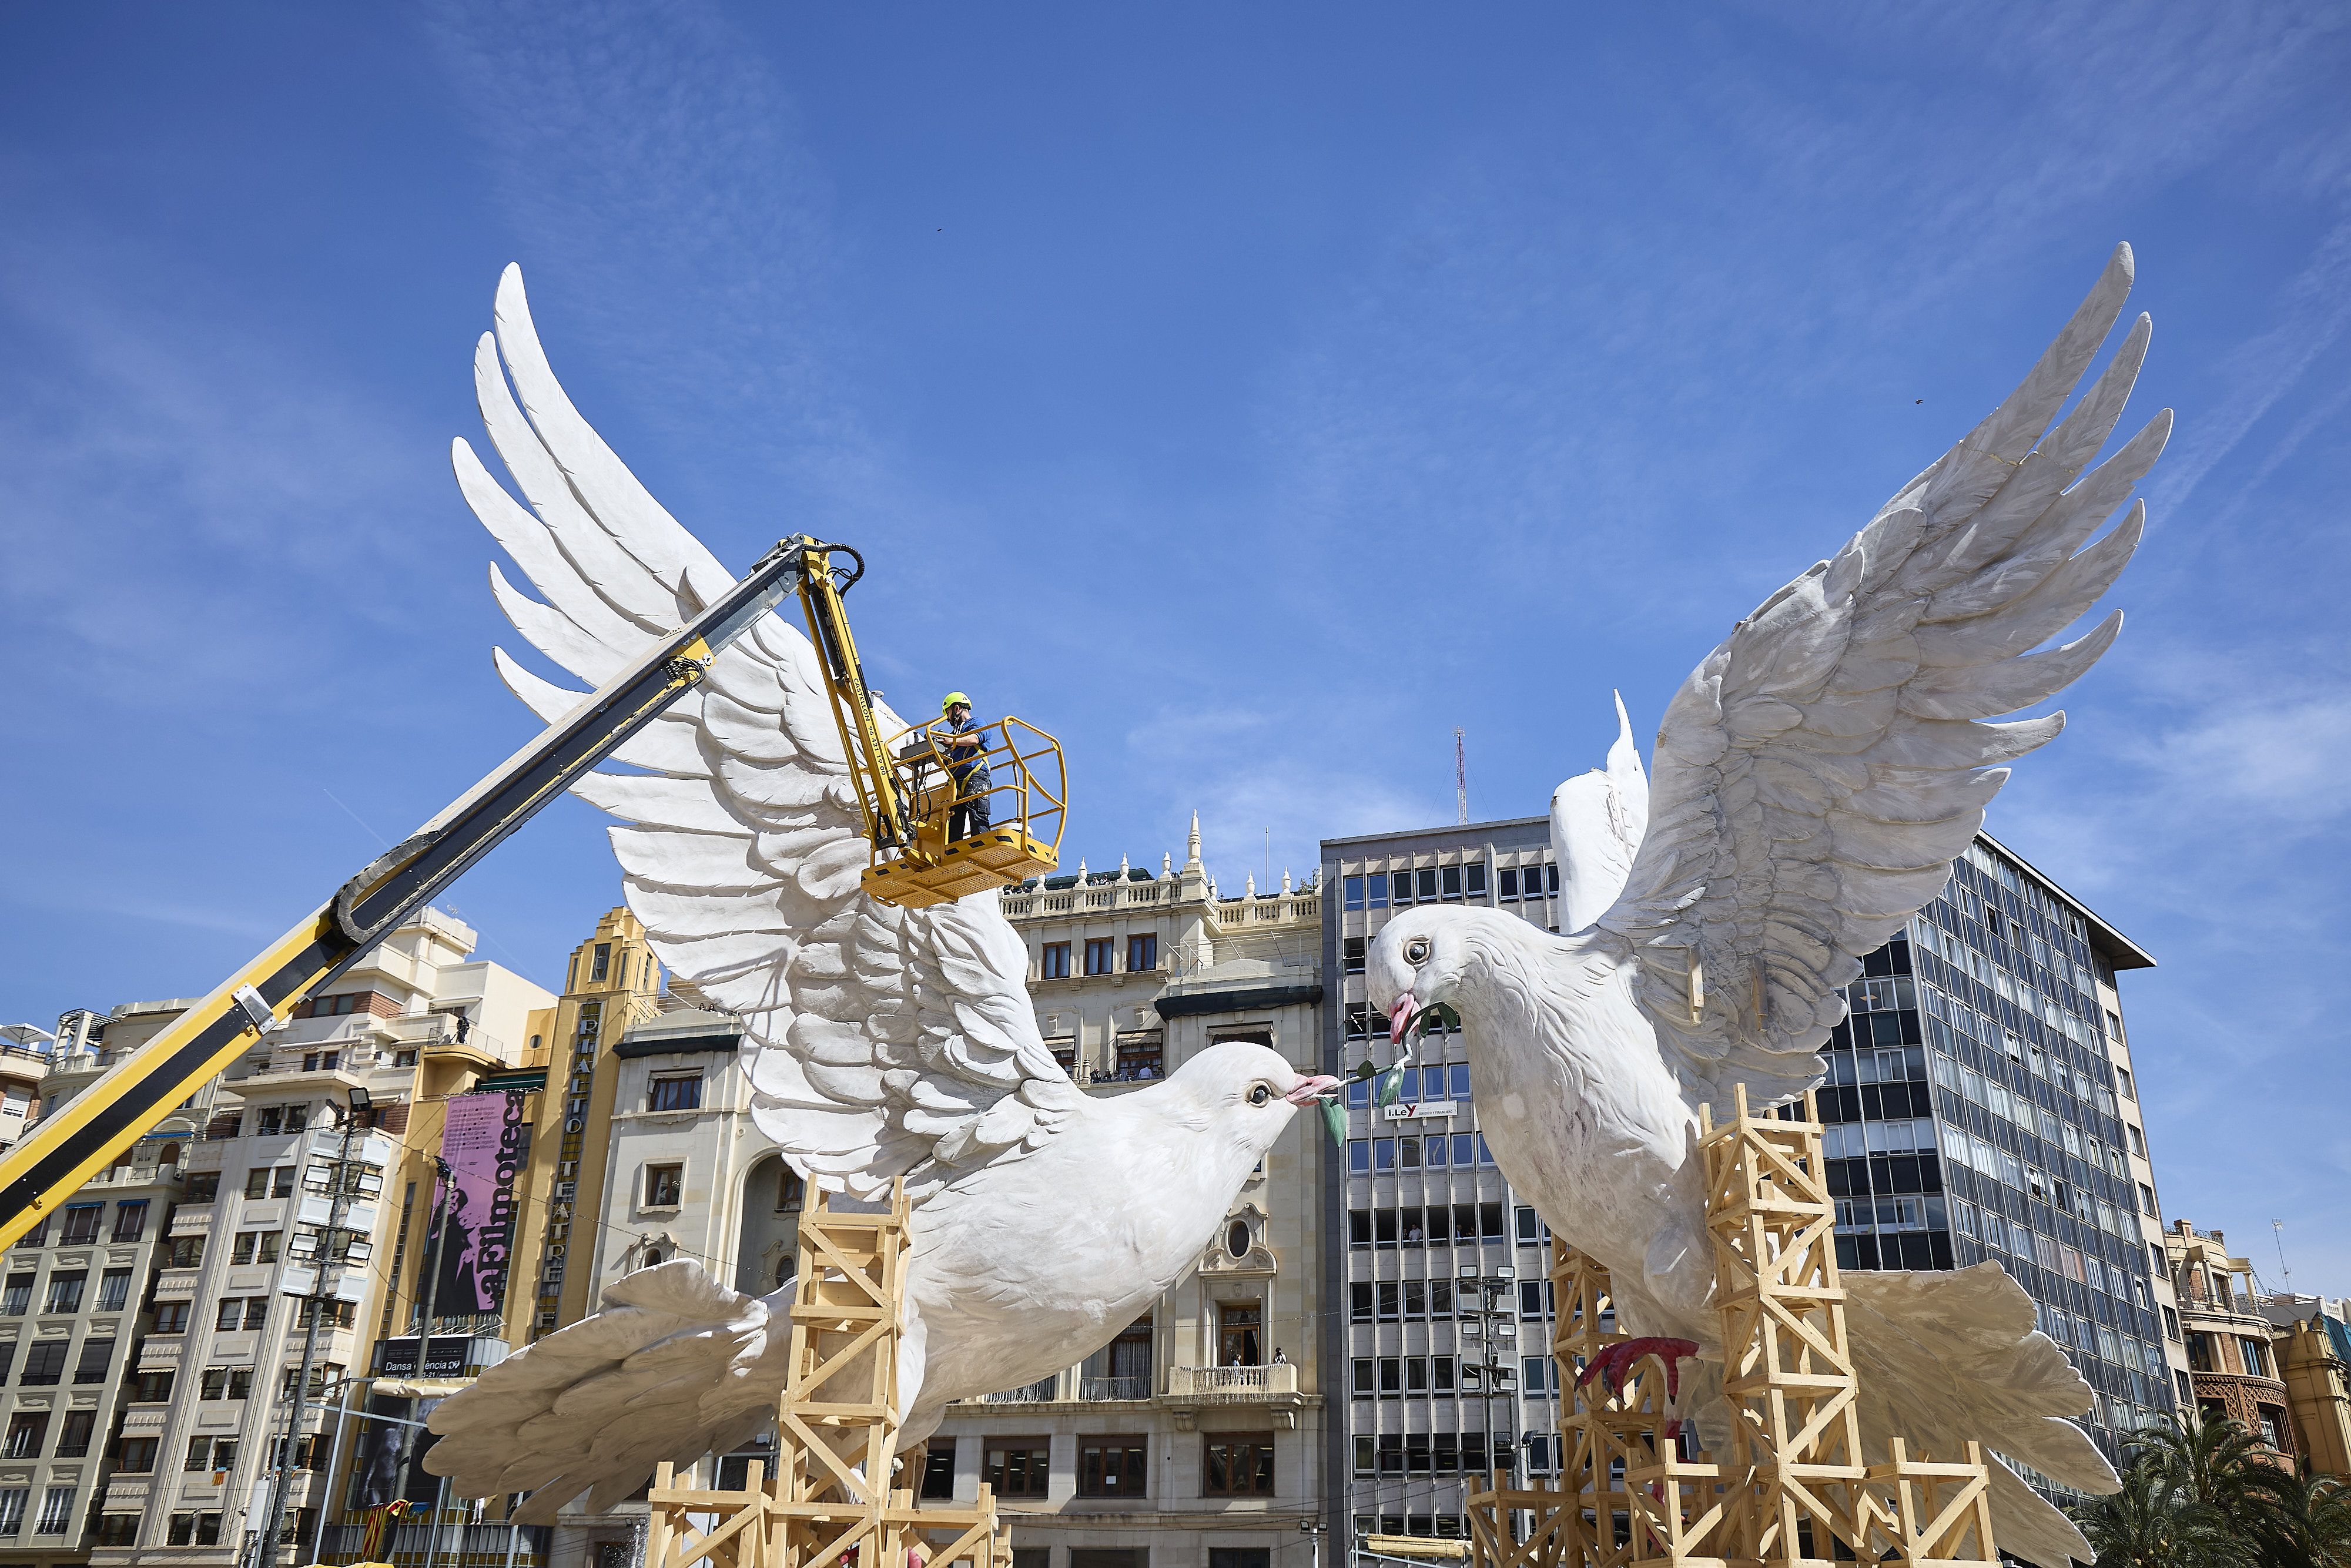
<point>1460,781</point>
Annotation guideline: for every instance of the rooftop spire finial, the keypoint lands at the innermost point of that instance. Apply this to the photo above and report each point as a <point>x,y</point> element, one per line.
<point>1192,844</point>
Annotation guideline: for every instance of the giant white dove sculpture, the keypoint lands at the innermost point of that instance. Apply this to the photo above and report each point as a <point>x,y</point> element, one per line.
<point>879,1042</point>
<point>1815,777</point>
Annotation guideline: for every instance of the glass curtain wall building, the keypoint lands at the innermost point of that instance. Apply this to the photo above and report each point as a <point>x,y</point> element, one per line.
<point>1440,1329</point>
<point>1980,1105</point>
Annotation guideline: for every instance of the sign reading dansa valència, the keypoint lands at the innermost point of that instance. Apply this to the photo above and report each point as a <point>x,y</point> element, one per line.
<point>483,1143</point>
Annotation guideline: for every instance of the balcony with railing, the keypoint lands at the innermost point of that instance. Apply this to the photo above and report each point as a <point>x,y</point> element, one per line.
<point>1044,1391</point>
<point>1232,1385</point>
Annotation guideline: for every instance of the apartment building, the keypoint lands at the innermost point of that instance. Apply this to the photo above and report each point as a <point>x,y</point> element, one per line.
<point>1442,1312</point>
<point>208,1402</point>
<point>2310,1340</point>
<point>74,1305</point>
<point>2233,1368</point>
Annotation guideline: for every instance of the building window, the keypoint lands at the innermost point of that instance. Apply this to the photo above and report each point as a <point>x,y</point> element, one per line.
<point>138,1456</point>
<point>130,1220</point>
<point>117,1530</point>
<point>186,1252</point>
<point>2145,1198</point>
<point>1239,1325</point>
<point>2271,1420</point>
<point>938,1469</point>
<point>97,1356</point>
<point>65,1291</point>
<point>1053,961</point>
<point>114,1290</point>
<point>599,963</point>
<point>57,1512</point>
<point>1111,1466</point>
<point>1238,1465</point>
<point>1351,955</point>
<point>789,1192</point>
<point>12,1509</point>
<point>82,1224</point>
<point>1142,953</point>
<point>665,1186</point>
<point>16,1296</point>
<point>1017,1467</point>
<point>45,1364</point>
<point>26,1428</point>
<point>152,1387</point>
<point>675,1092</point>
<point>2256,1355</point>
<point>193,1530</point>
<point>1098,955</point>
<point>254,1247</point>
<point>74,1434</point>
<point>1140,1057</point>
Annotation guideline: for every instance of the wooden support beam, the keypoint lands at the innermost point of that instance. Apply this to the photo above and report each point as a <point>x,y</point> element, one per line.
<point>1796,1487</point>
<point>833,1493</point>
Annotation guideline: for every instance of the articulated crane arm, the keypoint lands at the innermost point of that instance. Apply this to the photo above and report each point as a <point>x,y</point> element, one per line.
<point>65,1150</point>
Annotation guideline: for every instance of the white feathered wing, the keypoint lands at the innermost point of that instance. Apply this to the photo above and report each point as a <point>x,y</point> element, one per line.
<point>1816,775</point>
<point>878,1043</point>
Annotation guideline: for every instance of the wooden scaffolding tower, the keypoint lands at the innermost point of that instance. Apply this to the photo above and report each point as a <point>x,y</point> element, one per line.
<point>834,1497</point>
<point>1795,1489</point>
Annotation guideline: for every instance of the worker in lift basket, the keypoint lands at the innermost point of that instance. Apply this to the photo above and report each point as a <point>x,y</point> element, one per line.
<point>964,746</point>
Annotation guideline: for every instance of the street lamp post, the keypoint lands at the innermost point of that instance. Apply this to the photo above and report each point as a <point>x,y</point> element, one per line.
<point>282,1484</point>
<point>1490,1326</point>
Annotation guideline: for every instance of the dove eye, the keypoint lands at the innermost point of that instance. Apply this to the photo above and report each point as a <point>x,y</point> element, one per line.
<point>1416,950</point>
<point>1260,1094</point>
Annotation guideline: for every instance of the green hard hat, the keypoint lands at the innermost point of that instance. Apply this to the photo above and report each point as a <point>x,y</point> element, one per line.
<point>951,699</point>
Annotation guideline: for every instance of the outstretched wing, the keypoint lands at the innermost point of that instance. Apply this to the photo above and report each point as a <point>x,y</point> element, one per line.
<point>1946,1357</point>
<point>1817,774</point>
<point>672,1365</point>
<point>1597,820</point>
<point>879,1041</point>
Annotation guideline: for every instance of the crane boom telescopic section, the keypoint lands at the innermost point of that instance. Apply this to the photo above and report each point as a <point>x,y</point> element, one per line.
<point>67,1149</point>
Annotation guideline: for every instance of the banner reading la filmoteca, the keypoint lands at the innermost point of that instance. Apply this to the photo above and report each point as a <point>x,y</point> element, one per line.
<point>484,1142</point>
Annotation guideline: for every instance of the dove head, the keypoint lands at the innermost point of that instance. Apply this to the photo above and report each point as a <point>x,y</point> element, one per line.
<point>1418,961</point>
<point>1246,1093</point>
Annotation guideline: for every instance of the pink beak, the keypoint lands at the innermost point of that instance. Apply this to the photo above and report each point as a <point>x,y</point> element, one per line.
<point>1400,1017</point>
<point>1309,1089</point>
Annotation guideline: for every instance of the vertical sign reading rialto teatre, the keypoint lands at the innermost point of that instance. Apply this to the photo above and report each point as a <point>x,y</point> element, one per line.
<point>484,1142</point>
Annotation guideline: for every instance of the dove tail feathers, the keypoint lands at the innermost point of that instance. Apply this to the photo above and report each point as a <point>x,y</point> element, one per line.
<point>1943,1358</point>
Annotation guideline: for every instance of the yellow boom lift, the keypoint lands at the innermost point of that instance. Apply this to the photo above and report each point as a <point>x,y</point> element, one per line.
<point>906,793</point>
<point>910,785</point>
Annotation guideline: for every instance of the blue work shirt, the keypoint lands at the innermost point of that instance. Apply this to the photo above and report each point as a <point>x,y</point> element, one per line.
<point>970,777</point>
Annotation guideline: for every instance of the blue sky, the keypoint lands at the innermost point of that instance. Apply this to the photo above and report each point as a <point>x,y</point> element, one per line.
<point>1251,394</point>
